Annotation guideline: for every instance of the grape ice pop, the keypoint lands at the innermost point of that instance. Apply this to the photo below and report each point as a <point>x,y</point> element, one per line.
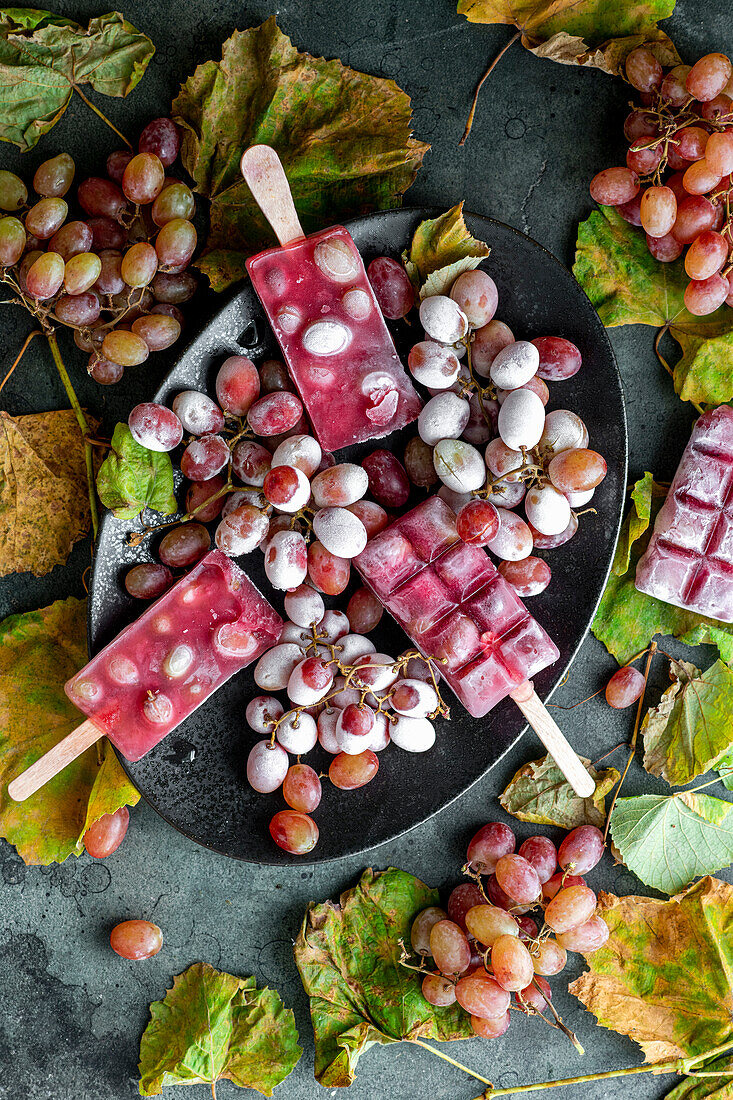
<point>327,321</point>
<point>158,670</point>
<point>689,559</point>
<point>455,606</point>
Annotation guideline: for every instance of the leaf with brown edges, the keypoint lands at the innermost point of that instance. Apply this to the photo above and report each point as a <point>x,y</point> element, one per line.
<point>540,793</point>
<point>344,139</point>
<point>44,503</point>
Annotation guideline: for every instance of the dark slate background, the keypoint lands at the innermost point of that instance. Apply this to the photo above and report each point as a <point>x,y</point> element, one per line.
<point>72,1012</point>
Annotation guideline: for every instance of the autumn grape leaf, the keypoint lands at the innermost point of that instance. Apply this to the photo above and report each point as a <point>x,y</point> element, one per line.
<point>344,139</point>
<point>636,522</point>
<point>212,1026</point>
<point>725,771</point>
<point>669,840</point>
<point>627,620</point>
<point>347,955</point>
<point>594,33</point>
<point>44,58</point>
<point>690,731</point>
<point>664,976</point>
<point>44,503</point>
<point>539,792</point>
<point>132,478</point>
<point>441,249</point>
<point>629,287</point>
<point>39,651</point>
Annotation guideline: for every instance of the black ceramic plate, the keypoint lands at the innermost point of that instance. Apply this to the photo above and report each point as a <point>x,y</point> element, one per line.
<point>195,778</point>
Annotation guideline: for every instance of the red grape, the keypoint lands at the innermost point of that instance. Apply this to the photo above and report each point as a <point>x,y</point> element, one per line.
<point>349,772</point>
<point>581,849</point>
<point>388,480</point>
<point>302,788</point>
<point>465,896</point>
<point>107,833</point>
<point>571,906</point>
<point>101,198</point>
<point>643,71</point>
<point>528,577</point>
<point>392,288</point>
<point>625,687</point>
<point>708,76</point>
<point>518,879</point>
<point>199,498</point>
<point>614,186</point>
<point>488,845</point>
<point>184,545</point>
<point>477,523</point>
<point>148,580</point>
<point>136,939</point>
<point>542,854</point>
<point>294,832</point>
<point>329,573</point>
<point>704,296</point>
<point>364,611</point>
<point>163,138</point>
<point>559,358</point>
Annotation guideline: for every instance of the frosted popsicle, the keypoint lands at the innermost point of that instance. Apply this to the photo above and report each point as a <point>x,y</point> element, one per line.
<point>689,559</point>
<point>327,321</point>
<point>211,624</point>
<point>456,606</point>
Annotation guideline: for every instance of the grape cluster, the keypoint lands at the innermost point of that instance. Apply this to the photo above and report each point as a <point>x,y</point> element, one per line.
<point>485,946</point>
<point>116,273</point>
<point>488,393</point>
<point>677,182</point>
<point>344,696</point>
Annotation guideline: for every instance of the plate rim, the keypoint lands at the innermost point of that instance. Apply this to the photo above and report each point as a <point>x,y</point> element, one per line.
<point>427,213</point>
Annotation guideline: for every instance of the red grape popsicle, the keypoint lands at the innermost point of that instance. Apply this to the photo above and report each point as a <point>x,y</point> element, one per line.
<point>458,608</point>
<point>327,321</point>
<point>211,624</point>
<point>689,559</point>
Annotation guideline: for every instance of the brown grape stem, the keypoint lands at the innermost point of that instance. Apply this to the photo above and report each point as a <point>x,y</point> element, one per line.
<point>682,1066</point>
<point>83,427</point>
<point>453,1062</point>
<point>665,364</point>
<point>101,115</point>
<point>632,748</point>
<point>482,81</point>
<point>21,353</point>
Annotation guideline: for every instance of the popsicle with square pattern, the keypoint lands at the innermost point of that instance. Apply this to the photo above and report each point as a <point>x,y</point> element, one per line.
<point>689,559</point>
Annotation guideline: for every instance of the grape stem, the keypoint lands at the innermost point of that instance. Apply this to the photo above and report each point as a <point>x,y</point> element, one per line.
<point>632,747</point>
<point>453,1062</point>
<point>21,353</point>
<point>665,364</point>
<point>83,428</point>
<point>484,78</point>
<point>100,114</point>
<point>682,1066</point>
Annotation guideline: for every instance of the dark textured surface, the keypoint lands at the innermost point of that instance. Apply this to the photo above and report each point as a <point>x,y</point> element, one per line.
<point>72,1013</point>
<point>194,777</point>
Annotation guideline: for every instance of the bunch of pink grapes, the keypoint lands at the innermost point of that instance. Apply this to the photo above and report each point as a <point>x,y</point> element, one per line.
<point>111,262</point>
<point>514,471</point>
<point>484,950</point>
<point>677,181</point>
<point>343,696</point>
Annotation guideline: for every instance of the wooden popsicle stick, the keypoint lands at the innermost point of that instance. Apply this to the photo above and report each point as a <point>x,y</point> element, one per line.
<point>554,740</point>
<point>265,177</point>
<point>54,761</point>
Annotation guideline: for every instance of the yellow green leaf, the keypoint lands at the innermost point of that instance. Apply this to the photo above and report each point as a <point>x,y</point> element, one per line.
<point>348,958</point>
<point>132,478</point>
<point>540,793</point>
<point>344,138</point>
<point>44,504</point>
<point>627,620</point>
<point>636,521</point>
<point>212,1026</point>
<point>669,840</point>
<point>629,287</point>
<point>664,977</point>
<point>43,57</point>
<point>690,731</point>
<point>441,249</point>
<point>595,33</point>
<point>39,651</point>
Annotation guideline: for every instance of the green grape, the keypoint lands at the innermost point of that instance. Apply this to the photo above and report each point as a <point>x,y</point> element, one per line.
<point>12,241</point>
<point>46,276</point>
<point>53,178</point>
<point>43,219</point>
<point>143,178</point>
<point>175,243</point>
<point>125,348</point>
<point>157,330</point>
<point>139,264</point>
<point>81,272</point>
<point>13,192</point>
<point>174,201</point>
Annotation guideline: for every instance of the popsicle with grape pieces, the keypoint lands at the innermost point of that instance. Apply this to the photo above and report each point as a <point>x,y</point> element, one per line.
<point>158,670</point>
<point>457,608</point>
<point>323,312</point>
<point>689,559</point>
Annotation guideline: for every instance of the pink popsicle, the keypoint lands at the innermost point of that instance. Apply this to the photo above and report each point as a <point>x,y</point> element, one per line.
<point>211,624</point>
<point>323,312</point>
<point>456,606</point>
<point>689,559</point>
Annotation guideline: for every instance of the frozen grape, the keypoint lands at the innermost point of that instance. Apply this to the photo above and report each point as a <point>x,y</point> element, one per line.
<point>262,712</point>
<point>251,462</point>
<point>274,667</point>
<point>287,488</point>
<point>412,734</point>
<point>563,431</point>
<point>528,576</point>
<point>274,413</point>
<point>303,452</point>
<point>444,416</point>
<point>286,560</point>
<point>204,457</point>
<point>387,479</point>
<point>476,294</point>
<point>521,419</point>
<point>514,365</point>
<point>339,485</point>
<point>339,531</point>
<point>242,530</point>
<point>297,733</point>
<point>581,850</point>
<point>154,426</point>
<point>443,319</point>
<point>514,539</point>
<point>625,687</point>
<point>304,606</point>
<point>459,465</point>
<point>433,365</point>
<point>547,509</point>
<point>267,766</point>
<point>198,414</point>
